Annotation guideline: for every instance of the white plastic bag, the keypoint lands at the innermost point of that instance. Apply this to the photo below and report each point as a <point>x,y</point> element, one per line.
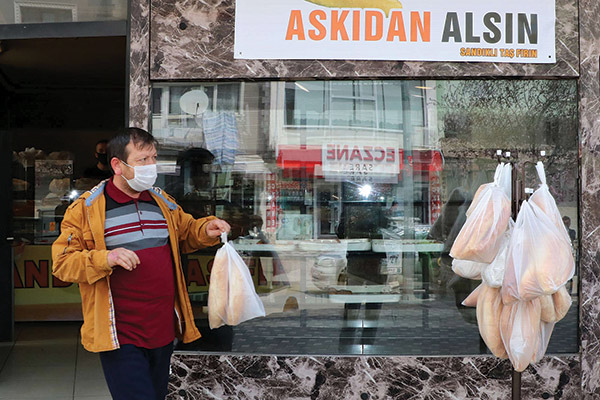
<point>471,300</point>
<point>468,269</point>
<point>480,237</point>
<point>545,201</point>
<point>489,309</point>
<point>493,274</point>
<point>231,295</point>
<point>520,326</point>
<point>539,260</point>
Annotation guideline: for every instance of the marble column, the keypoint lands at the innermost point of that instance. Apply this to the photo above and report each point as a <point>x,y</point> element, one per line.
<point>589,117</point>
<point>139,64</point>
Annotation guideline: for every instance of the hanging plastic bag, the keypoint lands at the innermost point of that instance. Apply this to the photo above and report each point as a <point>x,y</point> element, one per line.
<point>471,300</point>
<point>468,269</point>
<point>545,201</point>
<point>520,329</point>
<point>231,295</point>
<point>479,238</point>
<point>493,274</point>
<point>545,333</point>
<point>555,306</point>
<point>539,260</point>
<point>489,309</point>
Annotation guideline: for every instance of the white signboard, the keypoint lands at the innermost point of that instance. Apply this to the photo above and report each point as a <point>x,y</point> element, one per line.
<point>361,163</point>
<point>514,31</point>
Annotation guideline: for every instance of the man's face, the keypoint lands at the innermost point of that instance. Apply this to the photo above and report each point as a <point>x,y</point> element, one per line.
<point>138,156</point>
<point>100,148</point>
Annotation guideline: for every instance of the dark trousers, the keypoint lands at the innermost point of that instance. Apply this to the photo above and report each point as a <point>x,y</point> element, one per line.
<point>135,373</point>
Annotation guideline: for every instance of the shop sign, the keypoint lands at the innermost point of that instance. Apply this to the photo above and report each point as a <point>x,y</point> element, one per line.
<point>434,30</point>
<point>361,163</point>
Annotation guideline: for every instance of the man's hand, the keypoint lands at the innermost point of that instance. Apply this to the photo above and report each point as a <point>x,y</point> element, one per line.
<point>123,258</point>
<point>215,227</point>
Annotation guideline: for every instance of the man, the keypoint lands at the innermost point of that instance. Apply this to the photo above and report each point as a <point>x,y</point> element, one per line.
<point>572,233</point>
<point>121,242</point>
<point>100,170</point>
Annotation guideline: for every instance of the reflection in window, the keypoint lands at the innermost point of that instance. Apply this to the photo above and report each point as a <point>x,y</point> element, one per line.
<point>346,196</point>
<point>350,104</point>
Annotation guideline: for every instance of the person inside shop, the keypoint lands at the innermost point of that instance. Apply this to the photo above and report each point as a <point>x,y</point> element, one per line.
<point>100,170</point>
<point>445,230</point>
<point>121,241</point>
<point>572,233</point>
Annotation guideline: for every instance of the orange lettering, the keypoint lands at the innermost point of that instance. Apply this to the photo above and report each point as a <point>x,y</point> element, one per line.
<point>320,32</point>
<point>369,16</point>
<point>424,27</point>
<point>295,26</point>
<point>355,25</point>
<point>337,25</point>
<point>396,27</point>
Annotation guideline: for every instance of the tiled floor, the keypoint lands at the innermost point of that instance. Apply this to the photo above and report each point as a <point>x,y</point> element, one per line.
<point>47,362</point>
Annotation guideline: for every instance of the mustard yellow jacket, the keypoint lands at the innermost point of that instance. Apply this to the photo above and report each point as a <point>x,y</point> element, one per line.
<point>80,255</point>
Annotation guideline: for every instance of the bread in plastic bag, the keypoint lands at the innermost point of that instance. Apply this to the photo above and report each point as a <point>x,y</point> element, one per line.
<point>231,295</point>
<point>545,201</point>
<point>502,178</point>
<point>493,274</point>
<point>489,309</point>
<point>480,237</point>
<point>468,269</point>
<point>520,330</point>
<point>555,306</point>
<point>545,333</point>
<point>471,300</point>
<point>539,260</point>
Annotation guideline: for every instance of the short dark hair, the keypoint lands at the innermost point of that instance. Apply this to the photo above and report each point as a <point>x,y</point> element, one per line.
<point>117,145</point>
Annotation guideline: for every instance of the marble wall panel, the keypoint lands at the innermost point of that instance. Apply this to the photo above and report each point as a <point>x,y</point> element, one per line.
<point>139,64</point>
<point>589,117</point>
<point>330,378</point>
<point>194,40</point>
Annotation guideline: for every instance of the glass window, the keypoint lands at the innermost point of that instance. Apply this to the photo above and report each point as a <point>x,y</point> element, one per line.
<point>346,196</point>
<point>40,11</point>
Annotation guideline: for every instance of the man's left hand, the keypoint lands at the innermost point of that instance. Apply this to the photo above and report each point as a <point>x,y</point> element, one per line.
<point>215,227</point>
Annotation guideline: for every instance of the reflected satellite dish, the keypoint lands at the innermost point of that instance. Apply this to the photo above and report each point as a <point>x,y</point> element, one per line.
<point>194,102</point>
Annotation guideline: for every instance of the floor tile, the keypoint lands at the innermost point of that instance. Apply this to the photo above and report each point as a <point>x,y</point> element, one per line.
<point>5,349</point>
<point>34,389</point>
<point>91,387</point>
<point>15,371</point>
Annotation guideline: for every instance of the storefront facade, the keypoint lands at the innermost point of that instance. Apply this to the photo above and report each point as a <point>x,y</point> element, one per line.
<point>178,47</point>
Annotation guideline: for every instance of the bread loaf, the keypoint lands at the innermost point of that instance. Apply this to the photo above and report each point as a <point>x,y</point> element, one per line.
<point>562,303</point>
<point>477,197</point>
<point>237,296</point>
<point>547,313</point>
<point>489,308</point>
<point>471,300</point>
<point>520,330</point>
<point>218,293</point>
<point>479,238</point>
<point>549,265</point>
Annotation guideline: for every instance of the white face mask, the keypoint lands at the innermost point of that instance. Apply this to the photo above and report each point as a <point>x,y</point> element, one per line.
<point>144,177</point>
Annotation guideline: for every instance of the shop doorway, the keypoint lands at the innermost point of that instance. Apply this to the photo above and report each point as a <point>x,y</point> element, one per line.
<point>64,96</point>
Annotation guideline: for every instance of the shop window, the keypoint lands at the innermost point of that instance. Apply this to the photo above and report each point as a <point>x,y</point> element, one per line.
<point>348,104</point>
<point>40,12</point>
<point>345,197</point>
